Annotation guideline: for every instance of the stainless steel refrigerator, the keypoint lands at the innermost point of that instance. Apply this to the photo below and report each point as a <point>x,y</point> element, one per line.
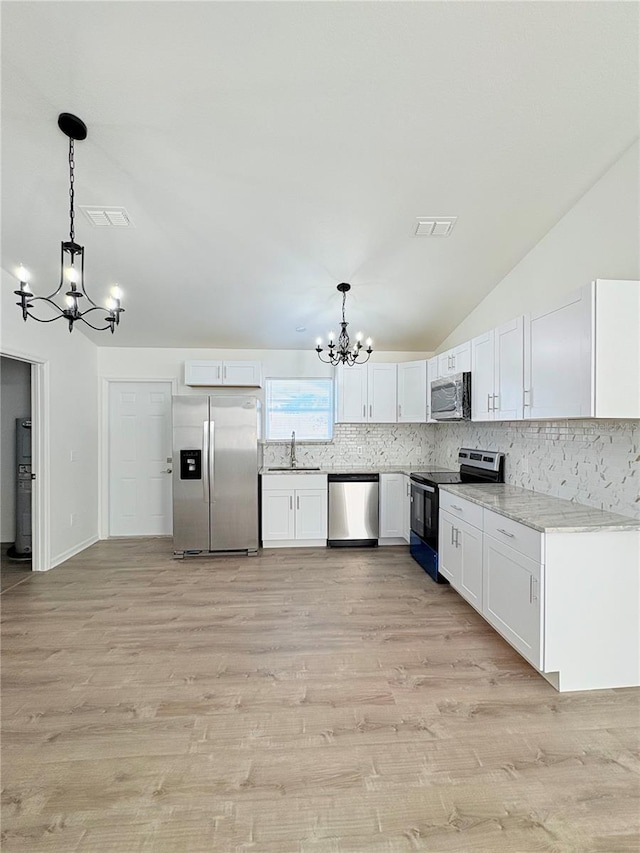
<point>215,474</point>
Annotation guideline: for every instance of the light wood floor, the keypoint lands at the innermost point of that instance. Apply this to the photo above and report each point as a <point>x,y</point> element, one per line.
<point>320,701</point>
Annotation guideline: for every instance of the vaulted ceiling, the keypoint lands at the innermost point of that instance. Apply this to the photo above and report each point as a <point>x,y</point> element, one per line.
<point>266,151</point>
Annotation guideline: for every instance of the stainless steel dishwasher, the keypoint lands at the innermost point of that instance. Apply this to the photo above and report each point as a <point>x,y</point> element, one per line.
<point>353,510</point>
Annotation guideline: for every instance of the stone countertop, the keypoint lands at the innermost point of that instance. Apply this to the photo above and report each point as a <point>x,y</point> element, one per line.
<point>541,512</point>
<point>348,469</point>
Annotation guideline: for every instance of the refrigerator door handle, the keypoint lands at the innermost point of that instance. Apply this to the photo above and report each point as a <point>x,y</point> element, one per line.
<point>205,461</point>
<point>212,448</point>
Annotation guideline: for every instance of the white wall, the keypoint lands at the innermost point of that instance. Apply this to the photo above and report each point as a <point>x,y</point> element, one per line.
<point>597,238</point>
<point>161,363</point>
<point>70,487</point>
<point>15,402</point>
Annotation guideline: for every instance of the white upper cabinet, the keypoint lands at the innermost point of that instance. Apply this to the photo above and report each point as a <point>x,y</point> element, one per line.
<point>581,355</point>
<point>456,360</point>
<point>383,393</point>
<point>366,393</point>
<point>509,371</point>
<point>351,394</point>
<point>497,365</point>
<point>212,373</point>
<point>412,392</point>
<point>482,376</point>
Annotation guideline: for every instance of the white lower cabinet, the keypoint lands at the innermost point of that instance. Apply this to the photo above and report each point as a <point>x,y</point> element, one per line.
<point>546,594</point>
<point>512,597</point>
<point>406,499</point>
<point>460,548</point>
<point>392,505</point>
<point>294,510</point>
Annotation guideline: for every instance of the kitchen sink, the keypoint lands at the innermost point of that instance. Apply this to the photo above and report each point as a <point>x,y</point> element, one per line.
<point>293,470</point>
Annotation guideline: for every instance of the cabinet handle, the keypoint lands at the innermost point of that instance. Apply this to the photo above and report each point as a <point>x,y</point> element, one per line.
<point>488,402</point>
<point>505,532</point>
<point>218,371</point>
<point>297,501</point>
<point>457,541</point>
<point>364,410</point>
<point>399,410</point>
<point>534,588</point>
<point>495,405</point>
<point>530,589</point>
<point>452,529</point>
<point>224,371</point>
<point>459,508</point>
<point>527,405</point>
<point>290,501</point>
<point>370,410</point>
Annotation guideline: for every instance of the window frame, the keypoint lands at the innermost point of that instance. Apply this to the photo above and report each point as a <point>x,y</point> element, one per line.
<point>332,420</point>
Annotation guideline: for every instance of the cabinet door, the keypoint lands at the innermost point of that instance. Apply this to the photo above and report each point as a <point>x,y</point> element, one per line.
<point>406,484</point>
<point>311,513</point>
<point>383,396</point>
<point>449,556</point>
<point>351,394</point>
<point>482,377</point>
<point>445,364</point>
<point>468,540</point>
<point>461,360</point>
<point>509,371</point>
<point>203,373</point>
<point>391,506</point>
<point>278,515</point>
<point>511,598</point>
<point>412,392</point>
<point>558,360</point>
<point>239,373</point>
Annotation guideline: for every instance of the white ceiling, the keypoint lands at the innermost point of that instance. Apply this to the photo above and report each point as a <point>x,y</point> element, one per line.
<point>267,151</point>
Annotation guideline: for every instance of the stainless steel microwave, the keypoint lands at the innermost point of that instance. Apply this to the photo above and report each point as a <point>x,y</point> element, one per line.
<point>451,398</point>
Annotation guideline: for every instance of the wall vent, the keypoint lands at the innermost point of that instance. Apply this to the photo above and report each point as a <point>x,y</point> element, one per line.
<point>434,226</point>
<point>107,217</point>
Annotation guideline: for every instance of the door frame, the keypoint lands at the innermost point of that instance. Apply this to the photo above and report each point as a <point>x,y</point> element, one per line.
<point>103,441</point>
<point>40,457</point>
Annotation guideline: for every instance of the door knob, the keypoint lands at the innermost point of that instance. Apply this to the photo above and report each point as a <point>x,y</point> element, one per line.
<point>168,470</point>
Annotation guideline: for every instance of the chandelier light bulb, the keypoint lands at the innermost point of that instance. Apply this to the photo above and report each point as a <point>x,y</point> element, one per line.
<point>22,274</point>
<point>71,302</point>
<point>359,336</point>
<point>72,275</point>
<point>319,342</point>
<point>116,292</point>
<point>369,341</point>
<point>331,336</point>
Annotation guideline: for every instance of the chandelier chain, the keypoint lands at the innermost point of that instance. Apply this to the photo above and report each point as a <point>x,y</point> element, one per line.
<point>72,163</point>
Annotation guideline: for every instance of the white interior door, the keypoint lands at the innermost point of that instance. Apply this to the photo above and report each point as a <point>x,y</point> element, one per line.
<point>139,445</point>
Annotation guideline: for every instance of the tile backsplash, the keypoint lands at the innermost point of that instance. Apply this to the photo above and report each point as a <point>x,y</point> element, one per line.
<point>359,445</point>
<point>593,462</point>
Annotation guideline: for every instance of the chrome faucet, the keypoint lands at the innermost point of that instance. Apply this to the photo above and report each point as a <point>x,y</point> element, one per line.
<point>292,451</point>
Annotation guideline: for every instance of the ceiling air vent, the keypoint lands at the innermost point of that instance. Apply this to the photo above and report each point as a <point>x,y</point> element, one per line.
<point>434,226</point>
<point>111,217</point>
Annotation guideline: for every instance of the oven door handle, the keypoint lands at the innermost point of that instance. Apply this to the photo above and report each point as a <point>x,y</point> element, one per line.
<point>415,485</point>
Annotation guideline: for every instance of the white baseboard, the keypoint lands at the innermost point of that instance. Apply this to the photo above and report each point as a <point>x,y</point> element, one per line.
<point>71,552</point>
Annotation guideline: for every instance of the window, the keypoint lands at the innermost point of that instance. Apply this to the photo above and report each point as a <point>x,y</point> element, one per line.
<point>301,405</point>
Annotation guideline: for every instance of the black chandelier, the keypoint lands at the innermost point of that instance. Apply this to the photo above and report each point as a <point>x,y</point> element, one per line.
<point>342,352</point>
<point>71,261</point>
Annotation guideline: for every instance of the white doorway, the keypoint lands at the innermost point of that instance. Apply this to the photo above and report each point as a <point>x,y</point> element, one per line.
<point>139,466</point>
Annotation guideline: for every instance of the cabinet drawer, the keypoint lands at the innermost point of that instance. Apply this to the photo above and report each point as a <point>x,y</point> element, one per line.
<point>275,482</point>
<point>518,536</point>
<point>461,508</point>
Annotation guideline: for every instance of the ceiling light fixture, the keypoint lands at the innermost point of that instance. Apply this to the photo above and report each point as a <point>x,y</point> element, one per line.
<point>71,261</point>
<point>342,352</point>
